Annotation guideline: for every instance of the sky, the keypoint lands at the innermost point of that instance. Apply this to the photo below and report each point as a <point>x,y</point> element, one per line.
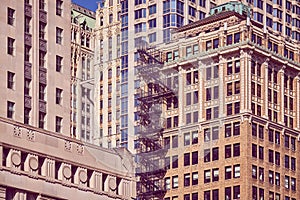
<point>90,4</point>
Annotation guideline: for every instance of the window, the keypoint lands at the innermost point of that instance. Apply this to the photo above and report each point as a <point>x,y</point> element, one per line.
<point>227,172</point>
<point>236,192</point>
<point>152,23</point>
<point>42,120</point>
<point>152,9</point>
<point>271,156</point>
<point>58,63</point>
<point>228,193</point>
<point>207,176</point>
<point>277,179</point>
<point>236,149</point>
<point>254,171</point>
<point>186,159</point>
<point>59,35</point>
<point>42,92</point>
<point>186,197</point>
<point>208,114</point>
<point>293,184</point>
<point>207,195</point>
<point>215,174</point>
<point>10,80</point>
<point>195,178</point>
<point>293,163</point>
<point>195,137</point>
<point>175,182</point>
<point>42,32</point>
<point>236,171</point>
<point>59,7</point>
<point>174,162</point>
<point>271,177</point>
<point>10,16</point>
<point>58,125</point>
<point>261,152</point>
<point>42,4</point>
<point>261,174</point>
<point>10,109</point>
<point>27,86</point>
<point>277,158</point>
<point>58,95</point>
<point>228,151</point>
<point>174,141</point>
<point>254,150</point>
<point>236,128</point>
<point>10,46</point>
<point>229,89</point>
<point>277,137</point>
<point>194,157</point>
<point>215,132</point>
<point>215,153</point>
<point>187,180</point>
<point>287,182</point>
<point>206,155</point>
<point>26,115</point>
<point>227,130</point>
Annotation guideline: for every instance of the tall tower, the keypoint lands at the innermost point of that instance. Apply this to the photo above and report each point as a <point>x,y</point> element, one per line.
<point>82,66</point>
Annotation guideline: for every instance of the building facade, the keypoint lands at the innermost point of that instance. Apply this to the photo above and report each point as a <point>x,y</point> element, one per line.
<point>150,23</point>
<point>35,63</point>
<point>39,159</point>
<point>39,164</point>
<point>82,67</point>
<point>234,131</point>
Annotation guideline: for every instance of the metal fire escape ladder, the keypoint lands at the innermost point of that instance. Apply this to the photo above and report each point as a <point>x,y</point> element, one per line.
<point>151,152</point>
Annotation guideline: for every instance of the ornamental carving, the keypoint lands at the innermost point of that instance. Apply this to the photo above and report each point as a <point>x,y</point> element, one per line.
<point>68,145</point>
<point>30,135</point>
<point>17,131</point>
<point>67,172</point>
<point>16,158</point>
<point>33,163</point>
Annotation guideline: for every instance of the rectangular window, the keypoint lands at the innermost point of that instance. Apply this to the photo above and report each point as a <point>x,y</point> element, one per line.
<point>227,172</point>
<point>227,130</point>
<point>59,5</point>
<point>206,155</point>
<point>10,16</point>
<point>215,174</point>
<point>10,46</point>
<point>42,120</point>
<point>27,86</point>
<point>59,63</point>
<point>58,125</point>
<point>207,176</point>
<point>187,180</point>
<point>195,178</point>
<point>58,96</point>
<point>59,35</point>
<point>195,137</point>
<point>187,139</point>
<point>42,91</point>
<point>174,162</point>
<point>236,149</point>
<point>236,171</point>
<point>175,182</point>
<point>215,153</point>
<point>10,80</point>
<point>186,159</point>
<point>194,157</point>
<point>228,151</point>
<point>10,109</point>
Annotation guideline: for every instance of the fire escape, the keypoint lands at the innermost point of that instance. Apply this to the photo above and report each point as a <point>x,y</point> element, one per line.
<point>151,153</point>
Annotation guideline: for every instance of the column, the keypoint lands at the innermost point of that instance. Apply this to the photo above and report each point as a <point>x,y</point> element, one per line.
<point>265,84</point>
